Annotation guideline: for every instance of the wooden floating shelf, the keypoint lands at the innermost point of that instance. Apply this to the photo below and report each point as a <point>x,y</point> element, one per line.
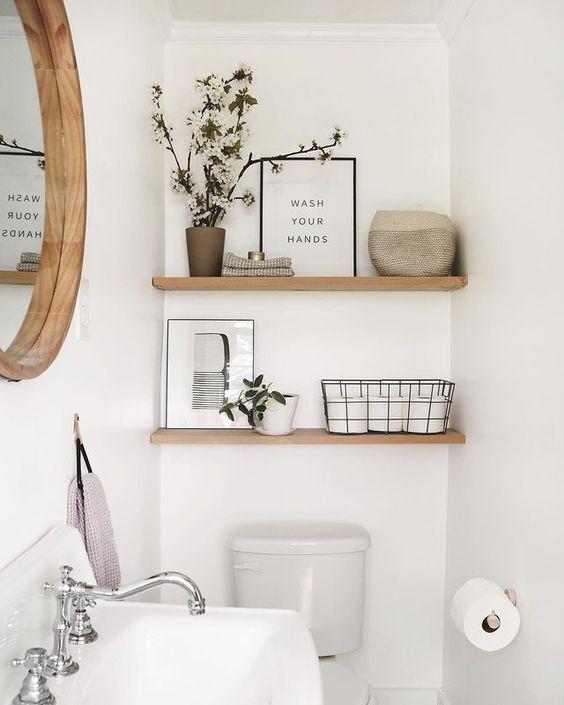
<point>9,276</point>
<point>310,283</point>
<point>302,436</point>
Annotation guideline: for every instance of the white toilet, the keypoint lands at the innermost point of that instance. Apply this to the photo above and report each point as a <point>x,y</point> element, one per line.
<point>318,570</point>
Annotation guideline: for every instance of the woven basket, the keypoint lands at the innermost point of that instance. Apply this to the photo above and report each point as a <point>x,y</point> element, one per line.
<point>411,244</point>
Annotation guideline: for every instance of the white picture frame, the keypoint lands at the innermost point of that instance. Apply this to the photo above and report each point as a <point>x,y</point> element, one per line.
<point>206,363</point>
<point>308,213</point>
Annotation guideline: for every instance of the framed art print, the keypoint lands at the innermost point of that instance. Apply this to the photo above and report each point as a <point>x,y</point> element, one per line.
<point>206,363</point>
<point>308,213</point>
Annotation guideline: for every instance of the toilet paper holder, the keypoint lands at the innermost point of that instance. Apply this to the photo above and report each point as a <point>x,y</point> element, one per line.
<point>492,622</point>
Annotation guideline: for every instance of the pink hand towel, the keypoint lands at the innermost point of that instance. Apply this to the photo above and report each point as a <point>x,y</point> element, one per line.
<point>88,512</point>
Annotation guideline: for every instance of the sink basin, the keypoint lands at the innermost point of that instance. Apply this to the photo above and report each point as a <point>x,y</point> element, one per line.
<point>149,654</point>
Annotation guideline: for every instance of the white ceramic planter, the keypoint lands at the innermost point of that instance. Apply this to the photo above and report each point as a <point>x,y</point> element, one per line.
<point>279,420</point>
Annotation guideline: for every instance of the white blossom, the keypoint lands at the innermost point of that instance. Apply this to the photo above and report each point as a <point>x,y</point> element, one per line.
<point>218,133</point>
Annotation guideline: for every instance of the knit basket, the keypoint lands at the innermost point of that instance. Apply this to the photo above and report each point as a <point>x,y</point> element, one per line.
<point>411,244</point>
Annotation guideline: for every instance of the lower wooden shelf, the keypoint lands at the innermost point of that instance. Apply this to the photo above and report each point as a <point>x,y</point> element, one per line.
<point>302,436</point>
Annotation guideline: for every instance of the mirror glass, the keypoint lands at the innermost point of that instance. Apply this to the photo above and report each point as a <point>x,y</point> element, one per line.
<point>22,175</point>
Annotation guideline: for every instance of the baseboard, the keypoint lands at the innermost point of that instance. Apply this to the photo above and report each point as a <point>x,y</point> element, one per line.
<point>406,696</point>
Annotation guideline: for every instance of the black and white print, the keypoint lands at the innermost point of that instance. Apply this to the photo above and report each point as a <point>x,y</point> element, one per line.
<point>206,363</point>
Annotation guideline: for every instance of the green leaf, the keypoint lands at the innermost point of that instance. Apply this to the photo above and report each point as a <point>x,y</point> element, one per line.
<point>278,397</point>
<point>243,409</point>
<point>260,396</point>
<point>250,393</point>
<point>260,416</point>
<point>258,381</point>
<point>247,383</point>
<point>229,414</point>
<point>261,408</point>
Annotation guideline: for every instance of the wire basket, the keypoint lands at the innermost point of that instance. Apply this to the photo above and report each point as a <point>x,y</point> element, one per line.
<point>387,405</point>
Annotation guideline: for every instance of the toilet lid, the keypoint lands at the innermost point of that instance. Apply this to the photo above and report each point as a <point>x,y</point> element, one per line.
<point>341,686</point>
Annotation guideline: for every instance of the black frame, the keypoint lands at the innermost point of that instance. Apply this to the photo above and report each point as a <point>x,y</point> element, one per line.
<point>168,322</point>
<point>308,159</point>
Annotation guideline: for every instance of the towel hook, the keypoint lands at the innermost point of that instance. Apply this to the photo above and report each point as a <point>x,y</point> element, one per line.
<point>76,428</point>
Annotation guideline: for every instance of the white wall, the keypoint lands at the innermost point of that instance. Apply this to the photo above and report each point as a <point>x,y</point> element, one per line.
<point>111,379</point>
<point>505,502</point>
<point>393,102</point>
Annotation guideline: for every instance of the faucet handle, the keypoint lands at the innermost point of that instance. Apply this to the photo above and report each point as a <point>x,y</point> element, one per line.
<point>34,688</point>
<point>66,570</point>
<point>82,601</point>
<point>34,660</point>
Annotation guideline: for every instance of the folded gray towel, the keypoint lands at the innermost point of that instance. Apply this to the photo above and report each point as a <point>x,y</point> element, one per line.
<point>28,267</point>
<point>30,257</point>
<point>88,512</point>
<point>231,261</point>
<point>272,272</point>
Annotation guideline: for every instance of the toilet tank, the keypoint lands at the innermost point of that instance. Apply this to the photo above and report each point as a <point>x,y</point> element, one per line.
<point>316,569</point>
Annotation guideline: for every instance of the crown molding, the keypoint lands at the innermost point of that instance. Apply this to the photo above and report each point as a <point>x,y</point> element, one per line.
<point>305,33</point>
<point>11,27</point>
<point>452,17</point>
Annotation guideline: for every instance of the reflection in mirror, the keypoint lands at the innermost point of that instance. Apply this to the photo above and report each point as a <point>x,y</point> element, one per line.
<point>22,174</point>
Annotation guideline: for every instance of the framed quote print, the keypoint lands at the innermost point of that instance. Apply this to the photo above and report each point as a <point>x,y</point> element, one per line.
<point>206,363</point>
<point>308,213</point>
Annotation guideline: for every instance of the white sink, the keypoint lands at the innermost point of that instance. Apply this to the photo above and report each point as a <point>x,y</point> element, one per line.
<point>149,653</point>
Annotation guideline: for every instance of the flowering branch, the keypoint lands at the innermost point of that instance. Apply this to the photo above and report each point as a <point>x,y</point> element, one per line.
<point>218,134</point>
<point>18,148</point>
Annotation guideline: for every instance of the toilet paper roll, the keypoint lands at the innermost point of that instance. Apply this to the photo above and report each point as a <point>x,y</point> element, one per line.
<point>474,603</point>
<point>426,409</point>
<point>347,415</point>
<point>386,415</point>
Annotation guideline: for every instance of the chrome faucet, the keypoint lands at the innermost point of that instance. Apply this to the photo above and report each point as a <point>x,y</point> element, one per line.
<point>60,662</point>
<point>196,602</point>
<point>71,593</point>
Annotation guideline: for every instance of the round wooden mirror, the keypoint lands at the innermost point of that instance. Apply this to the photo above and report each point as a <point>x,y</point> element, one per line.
<point>48,310</point>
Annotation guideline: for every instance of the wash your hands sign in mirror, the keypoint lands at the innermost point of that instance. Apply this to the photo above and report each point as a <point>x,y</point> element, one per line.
<point>42,185</point>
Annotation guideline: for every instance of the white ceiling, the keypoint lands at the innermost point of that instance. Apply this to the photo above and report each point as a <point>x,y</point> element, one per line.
<point>358,11</point>
<point>388,11</point>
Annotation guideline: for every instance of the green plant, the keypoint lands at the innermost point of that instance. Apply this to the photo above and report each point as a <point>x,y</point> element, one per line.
<point>254,399</point>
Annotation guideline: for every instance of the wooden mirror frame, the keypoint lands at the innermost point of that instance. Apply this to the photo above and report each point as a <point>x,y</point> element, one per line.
<point>51,308</point>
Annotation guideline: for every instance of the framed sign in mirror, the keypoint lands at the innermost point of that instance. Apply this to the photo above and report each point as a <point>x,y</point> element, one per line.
<point>308,213</point>
<point>45,210</point>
